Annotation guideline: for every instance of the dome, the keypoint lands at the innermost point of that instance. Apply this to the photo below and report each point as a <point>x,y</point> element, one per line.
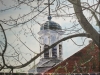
<point>52,25</point>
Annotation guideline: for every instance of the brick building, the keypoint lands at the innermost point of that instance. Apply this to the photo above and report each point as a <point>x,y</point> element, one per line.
<point>87,60</point>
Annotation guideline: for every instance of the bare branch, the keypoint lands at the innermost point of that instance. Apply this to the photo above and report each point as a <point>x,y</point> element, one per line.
<point>84,22</point>
<point>53,45</point>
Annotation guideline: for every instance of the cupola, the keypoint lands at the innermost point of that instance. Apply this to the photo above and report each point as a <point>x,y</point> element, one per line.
<point>50,25</point>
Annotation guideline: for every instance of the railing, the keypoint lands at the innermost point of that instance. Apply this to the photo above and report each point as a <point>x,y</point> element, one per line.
<point>51,74</point>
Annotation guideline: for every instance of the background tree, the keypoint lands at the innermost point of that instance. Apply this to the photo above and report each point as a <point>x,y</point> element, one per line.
<point>83,16</point>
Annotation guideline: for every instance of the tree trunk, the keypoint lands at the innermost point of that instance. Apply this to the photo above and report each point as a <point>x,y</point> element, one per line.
<point>84,22</point>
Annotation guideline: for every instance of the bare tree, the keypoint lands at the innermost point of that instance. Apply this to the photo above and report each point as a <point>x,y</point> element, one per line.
<point>22,25</point>
<point>84,22</point>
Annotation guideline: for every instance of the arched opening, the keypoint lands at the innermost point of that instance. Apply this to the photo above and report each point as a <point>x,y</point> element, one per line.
<point>60,50</point>
<point>46,54</point>
<point>54,52</point>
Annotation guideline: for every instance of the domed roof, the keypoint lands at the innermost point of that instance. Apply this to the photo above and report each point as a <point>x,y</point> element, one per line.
<point>52,25</point>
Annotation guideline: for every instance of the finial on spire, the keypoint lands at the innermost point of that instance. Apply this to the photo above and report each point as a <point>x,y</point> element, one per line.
<point>49,18</point>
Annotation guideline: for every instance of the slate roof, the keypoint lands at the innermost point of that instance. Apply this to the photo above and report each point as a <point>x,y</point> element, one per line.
<point>44,64</point>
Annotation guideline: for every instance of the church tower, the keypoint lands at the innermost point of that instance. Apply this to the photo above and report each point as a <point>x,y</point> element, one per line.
<point>50,32</point>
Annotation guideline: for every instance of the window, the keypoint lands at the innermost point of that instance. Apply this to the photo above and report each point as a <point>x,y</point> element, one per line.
<point>54,52</point>
<point>46,54</point>
<point>60,50</point>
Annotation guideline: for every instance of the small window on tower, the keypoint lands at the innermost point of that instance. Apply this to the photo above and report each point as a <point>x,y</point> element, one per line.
<point>54,52</point>
<point>60,50</point>
<point>46,54</point>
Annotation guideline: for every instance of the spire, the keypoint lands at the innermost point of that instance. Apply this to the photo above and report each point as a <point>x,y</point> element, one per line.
<point>49,6</point>
<point>49,15</point>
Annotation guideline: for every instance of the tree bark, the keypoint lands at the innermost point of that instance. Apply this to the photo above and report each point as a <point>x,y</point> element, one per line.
<point>84,22</point>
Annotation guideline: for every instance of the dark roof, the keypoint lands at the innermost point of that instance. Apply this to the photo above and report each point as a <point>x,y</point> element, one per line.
<point>52,25</point>
<point>44,64</point>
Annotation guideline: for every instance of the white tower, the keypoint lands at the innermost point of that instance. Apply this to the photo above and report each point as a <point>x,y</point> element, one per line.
<point>50,32</point>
